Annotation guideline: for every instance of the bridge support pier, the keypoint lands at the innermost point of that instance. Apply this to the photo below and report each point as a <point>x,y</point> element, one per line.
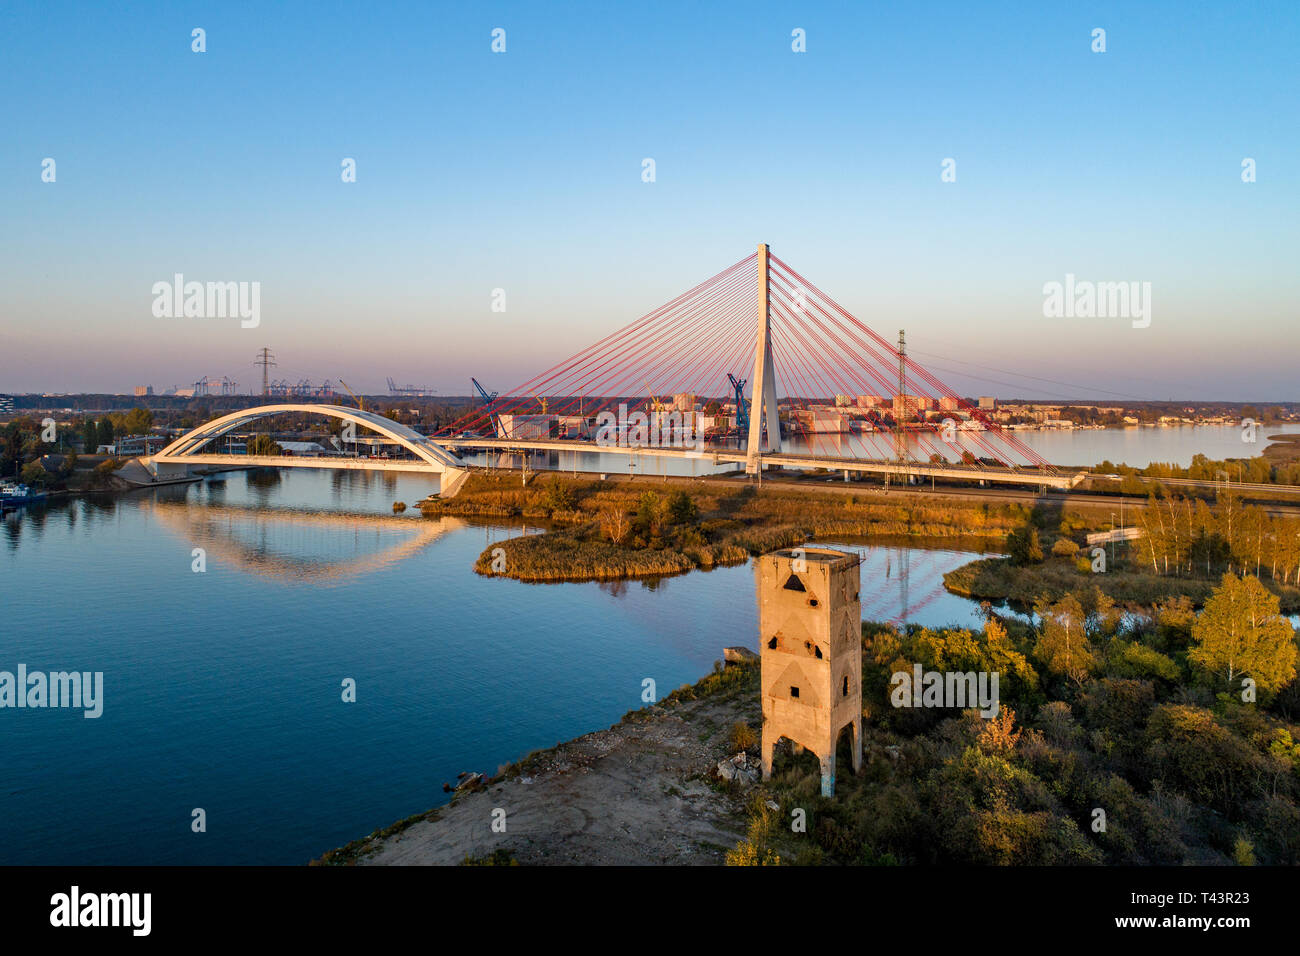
<point>166,469</point>
<point>450,482</point>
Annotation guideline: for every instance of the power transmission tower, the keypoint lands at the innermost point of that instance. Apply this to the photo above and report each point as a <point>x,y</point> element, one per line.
<point>267,361</point>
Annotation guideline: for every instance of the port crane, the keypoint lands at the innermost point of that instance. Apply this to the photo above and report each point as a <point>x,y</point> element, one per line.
<point>416,391</point>
<point>742,410</point>
<point>488,398</point>
<point>656,406</point>
<point>357,398</point>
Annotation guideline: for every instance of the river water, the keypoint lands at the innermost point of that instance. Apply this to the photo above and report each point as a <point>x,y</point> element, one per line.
<point>1065,448</point>
<point>223,688</point>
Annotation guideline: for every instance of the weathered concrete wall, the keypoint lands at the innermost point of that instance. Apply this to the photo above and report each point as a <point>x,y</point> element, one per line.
<point>810,640</point>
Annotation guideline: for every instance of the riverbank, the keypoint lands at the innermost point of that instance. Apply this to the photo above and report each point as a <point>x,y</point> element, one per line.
<point>1127,725</point>
<point>644,791</point>
<point>999,580</point>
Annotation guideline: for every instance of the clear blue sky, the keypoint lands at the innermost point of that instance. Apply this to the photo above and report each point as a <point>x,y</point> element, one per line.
<point>523,171</point>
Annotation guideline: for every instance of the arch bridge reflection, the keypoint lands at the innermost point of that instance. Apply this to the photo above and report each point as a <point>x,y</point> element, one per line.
<point>300,547</point>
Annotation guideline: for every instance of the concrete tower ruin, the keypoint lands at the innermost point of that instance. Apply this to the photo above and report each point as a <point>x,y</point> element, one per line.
<point>810,639</point>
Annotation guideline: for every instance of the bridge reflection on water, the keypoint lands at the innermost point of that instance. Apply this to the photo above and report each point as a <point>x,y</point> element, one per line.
<point>299,547</point>
<point>288,545</point>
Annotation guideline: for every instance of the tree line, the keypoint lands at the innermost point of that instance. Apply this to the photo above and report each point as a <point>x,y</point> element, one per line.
<point>1183,538</point>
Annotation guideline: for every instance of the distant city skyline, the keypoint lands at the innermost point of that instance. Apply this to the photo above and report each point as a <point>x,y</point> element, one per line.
<point>524,171</point>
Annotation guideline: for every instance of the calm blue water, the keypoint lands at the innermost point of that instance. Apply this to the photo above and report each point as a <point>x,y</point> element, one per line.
<point>223,688</point>
<point>1077,448</point>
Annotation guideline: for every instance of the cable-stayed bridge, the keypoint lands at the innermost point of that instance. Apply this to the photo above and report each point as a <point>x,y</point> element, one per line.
<point>823,391</point>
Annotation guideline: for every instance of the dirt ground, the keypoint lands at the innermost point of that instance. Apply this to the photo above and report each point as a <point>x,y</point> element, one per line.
<point>642,792</point>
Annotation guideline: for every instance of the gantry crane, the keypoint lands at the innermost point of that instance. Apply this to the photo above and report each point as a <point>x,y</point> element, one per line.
<point>488,399</point>
<point>742,411</point>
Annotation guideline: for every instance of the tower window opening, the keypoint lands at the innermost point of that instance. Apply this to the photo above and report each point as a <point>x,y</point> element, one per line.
<point>794,584</point>
<point>794,691</point>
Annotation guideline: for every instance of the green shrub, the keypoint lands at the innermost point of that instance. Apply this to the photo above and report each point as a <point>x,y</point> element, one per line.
<point>682,508</point>
<point>741,736</point>
<point>1023,546</point>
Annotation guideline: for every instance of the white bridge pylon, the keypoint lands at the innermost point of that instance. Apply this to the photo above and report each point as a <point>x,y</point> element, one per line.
<point>176,459</point>
<point>764,420</point>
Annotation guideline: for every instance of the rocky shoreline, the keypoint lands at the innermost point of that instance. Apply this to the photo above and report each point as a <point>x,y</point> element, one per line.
<point>645,791</point>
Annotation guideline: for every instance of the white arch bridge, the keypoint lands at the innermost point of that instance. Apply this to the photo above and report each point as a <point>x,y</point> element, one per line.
<point>188,451</point>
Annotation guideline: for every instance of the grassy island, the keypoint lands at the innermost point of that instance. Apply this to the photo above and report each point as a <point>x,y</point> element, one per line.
<point>625,529</point>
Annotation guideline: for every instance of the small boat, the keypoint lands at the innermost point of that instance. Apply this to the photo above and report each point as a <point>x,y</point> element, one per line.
<point>13,493</point>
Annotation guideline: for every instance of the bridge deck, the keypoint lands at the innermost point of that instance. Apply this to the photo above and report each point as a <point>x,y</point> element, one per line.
<point>916,469</point>
<point>719,456</point>
<point>294,461</point>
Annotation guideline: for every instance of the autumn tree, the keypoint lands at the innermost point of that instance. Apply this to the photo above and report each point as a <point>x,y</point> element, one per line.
<point>651,512</point>
<point>614,523</point>
<point>1023,546</point>
<point>1241,634</point>
<point>263,445</point>
<point>682,508</point>
<point>1063,646</point>
<point>137,421</point>
<point>558,496</point>
<point>35,475</point>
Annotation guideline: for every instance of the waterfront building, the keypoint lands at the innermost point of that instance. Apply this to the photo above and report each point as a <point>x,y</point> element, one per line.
<point>820,419</point>
<point>906,407</point>
<point>128,446</point>
<point>525,427</point>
